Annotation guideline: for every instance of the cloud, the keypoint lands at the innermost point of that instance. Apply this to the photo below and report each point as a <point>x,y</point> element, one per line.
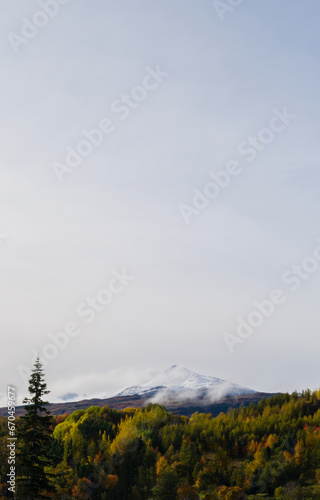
<point>207,395</point>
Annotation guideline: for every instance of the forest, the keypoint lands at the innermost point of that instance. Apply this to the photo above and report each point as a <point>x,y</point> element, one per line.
<point>269,450</point>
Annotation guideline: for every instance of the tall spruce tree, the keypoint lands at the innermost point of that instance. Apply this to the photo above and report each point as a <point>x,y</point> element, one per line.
<point>35,440</point>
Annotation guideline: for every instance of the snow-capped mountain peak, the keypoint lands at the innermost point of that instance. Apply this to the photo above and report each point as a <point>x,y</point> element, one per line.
<point>178,382</point>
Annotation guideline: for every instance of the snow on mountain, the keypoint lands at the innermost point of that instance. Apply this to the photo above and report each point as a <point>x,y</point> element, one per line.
<point>179,383</point>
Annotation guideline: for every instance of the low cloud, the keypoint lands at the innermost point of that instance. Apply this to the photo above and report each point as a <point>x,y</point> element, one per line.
<point>207,395</point>
<point>97,385</point>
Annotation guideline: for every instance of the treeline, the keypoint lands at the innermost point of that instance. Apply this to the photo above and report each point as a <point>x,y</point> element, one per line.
<point>268,450</point>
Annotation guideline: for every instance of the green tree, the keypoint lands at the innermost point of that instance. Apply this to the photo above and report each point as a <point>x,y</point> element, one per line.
<point>167,486</point>
<point>35,441</point>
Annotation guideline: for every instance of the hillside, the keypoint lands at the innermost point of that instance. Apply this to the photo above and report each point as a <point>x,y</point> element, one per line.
<point>179,408</point>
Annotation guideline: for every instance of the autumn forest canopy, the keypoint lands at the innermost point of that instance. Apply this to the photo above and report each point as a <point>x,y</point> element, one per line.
<point>268,450</point>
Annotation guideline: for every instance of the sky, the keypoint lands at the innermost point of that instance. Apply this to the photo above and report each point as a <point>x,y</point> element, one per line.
<point>159,192</point>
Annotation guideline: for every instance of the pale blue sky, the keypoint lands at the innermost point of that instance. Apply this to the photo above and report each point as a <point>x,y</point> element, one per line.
<point>120,207</point>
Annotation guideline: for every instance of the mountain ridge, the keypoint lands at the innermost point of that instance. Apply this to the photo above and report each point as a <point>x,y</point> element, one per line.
<point>186,408</point>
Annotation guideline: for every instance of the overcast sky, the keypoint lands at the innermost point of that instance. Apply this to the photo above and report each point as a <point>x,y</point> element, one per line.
<point>116,241</point>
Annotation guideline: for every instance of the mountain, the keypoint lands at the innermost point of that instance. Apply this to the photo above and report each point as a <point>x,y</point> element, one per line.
<point>180,384</point>
<point>181,391</point>
<point>69,396</point>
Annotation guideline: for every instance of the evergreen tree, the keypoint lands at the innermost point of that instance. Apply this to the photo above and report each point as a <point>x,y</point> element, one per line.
<point>167,485</point>
<point>35,440</point>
